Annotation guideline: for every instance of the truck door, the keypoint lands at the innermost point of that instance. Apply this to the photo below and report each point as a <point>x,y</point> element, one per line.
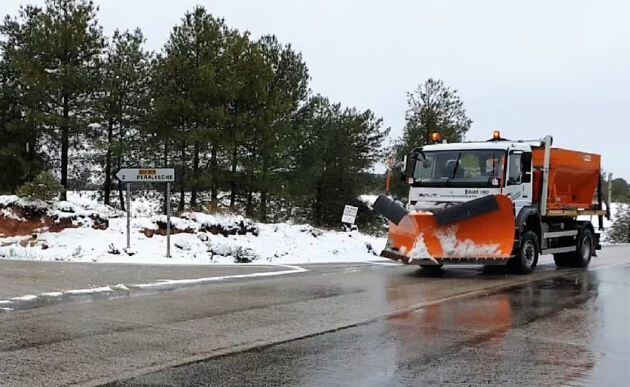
<point>519,179</point>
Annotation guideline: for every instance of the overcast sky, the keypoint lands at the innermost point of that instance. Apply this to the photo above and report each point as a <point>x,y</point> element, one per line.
<point>528,68</point>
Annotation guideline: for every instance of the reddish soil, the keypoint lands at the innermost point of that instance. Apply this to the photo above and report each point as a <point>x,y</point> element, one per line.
<point>33,220</point>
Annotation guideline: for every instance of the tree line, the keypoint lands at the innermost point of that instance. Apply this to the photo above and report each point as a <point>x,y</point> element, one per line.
<point>234,114</point>
<point>619,190</point>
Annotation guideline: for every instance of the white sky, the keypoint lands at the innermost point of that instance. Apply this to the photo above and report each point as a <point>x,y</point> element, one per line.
<point>528,68</point>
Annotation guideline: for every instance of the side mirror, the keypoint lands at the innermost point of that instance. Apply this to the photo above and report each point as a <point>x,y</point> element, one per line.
<point>403,168</point>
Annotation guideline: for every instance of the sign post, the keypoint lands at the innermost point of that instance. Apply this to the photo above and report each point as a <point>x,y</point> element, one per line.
<point>148,175</point>
<point>128,215</point>
<point>168,220</point>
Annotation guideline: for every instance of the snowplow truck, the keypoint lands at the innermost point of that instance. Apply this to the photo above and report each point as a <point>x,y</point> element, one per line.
<point>496,202</point>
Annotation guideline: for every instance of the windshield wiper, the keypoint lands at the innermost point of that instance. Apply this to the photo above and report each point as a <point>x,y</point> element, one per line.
<point>456,166</point>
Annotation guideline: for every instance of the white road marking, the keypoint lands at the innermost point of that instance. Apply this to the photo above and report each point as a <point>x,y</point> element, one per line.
<point>101,289</point>
<point>385,263</point>
<point>352,269</point>
<point>52,294</point>
<point>163,283</point>
<point>27,297</point>
<point>151,285</point>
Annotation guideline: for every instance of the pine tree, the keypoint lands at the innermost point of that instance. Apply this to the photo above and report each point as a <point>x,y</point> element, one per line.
<point>433,107</point>
<point>285,90</point>
<point>124,102</point>
<point>56,54</point>
<point>620,191</point>
<point>333,148</point>
<point>190,95</point>
<point>620,230</point>
<point>245,83</point>
<point>18,140</point>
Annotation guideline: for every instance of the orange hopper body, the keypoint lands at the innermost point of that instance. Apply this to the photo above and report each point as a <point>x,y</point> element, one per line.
<point>573,178</point>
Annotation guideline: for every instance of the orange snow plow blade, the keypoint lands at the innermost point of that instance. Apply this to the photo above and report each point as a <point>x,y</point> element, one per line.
<point>481,230</point>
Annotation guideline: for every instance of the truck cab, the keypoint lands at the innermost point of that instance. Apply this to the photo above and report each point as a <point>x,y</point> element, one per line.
<point>441,175</point>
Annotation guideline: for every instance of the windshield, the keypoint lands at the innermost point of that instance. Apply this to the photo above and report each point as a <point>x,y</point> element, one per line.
<point>465,168</point>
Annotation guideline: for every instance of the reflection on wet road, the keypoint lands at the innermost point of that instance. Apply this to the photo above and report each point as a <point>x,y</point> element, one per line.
<point>573,329</point>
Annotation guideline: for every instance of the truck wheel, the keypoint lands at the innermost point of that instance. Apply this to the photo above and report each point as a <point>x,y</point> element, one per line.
<point>582,256</point>
<point>526,258</point>
<point>562,260</point>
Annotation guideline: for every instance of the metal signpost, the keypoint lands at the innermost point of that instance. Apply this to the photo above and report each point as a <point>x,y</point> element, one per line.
<point>128,207</point>
<point>148,175</point>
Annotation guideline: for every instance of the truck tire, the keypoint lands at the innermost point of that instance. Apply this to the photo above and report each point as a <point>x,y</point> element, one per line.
<point>526,258</point>
<point>563,259</point>
<point>583,253</point>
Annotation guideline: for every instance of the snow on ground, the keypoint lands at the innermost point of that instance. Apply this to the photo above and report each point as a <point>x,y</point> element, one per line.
<point>271,243</point>
<point>274,243</point>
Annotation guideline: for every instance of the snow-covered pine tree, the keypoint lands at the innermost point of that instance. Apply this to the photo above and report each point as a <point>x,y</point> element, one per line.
<point>620,230</point>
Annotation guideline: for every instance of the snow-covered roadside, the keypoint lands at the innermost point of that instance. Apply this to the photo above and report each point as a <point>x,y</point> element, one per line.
<point>274,243</point>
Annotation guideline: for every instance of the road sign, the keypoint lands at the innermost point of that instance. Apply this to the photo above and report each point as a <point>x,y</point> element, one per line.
<point>149,175</point>
<point>349,214</point>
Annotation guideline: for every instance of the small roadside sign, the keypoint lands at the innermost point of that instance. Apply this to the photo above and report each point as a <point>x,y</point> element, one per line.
<point>349,214</point>
<point>149,175</point>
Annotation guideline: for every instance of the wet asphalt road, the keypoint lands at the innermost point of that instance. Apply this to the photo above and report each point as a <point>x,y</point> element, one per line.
<point>19,278</point>
<point>570,330</point>
<point>357,324</point>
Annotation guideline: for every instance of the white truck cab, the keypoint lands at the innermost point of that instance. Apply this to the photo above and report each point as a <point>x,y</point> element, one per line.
<point>440,175</point>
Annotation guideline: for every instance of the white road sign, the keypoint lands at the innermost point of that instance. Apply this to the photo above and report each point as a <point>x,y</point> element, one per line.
<point>151,175</point>
<point>349,214</point>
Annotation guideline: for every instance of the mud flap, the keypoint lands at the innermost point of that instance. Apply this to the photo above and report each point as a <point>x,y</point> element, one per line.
<point>479,229</point>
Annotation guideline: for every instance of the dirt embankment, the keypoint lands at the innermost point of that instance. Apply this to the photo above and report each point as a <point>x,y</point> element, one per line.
<point>19,219</point>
